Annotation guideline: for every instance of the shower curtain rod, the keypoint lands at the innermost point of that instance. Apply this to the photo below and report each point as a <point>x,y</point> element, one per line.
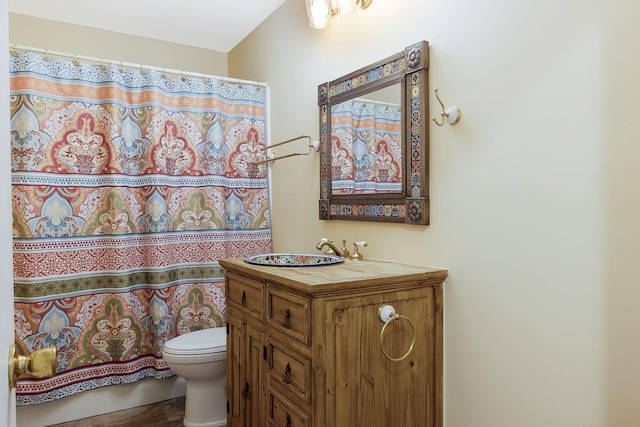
<point>133,65</point>
<point>373,101</point>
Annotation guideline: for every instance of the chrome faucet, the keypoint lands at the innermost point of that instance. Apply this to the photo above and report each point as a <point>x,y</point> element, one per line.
<point>344,252</point>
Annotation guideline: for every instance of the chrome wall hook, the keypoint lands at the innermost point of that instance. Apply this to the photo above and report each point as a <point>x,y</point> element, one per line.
<point>450,115</point>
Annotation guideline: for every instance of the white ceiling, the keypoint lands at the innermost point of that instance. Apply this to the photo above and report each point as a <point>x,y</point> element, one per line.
<point>210,24</point>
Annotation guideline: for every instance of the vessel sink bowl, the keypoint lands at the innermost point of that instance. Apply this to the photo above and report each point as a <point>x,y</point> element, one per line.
<point>294,260</point>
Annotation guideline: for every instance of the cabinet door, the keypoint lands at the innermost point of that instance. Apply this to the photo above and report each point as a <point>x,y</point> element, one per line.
<point>236,355</point>
<point>365,388</point>
<point>256,355</point>
<point>245,373</point>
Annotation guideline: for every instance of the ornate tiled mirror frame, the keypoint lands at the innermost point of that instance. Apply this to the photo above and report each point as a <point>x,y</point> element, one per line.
<point>409,68</point>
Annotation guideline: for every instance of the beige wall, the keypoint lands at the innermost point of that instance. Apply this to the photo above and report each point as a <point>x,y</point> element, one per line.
<point>7,399</point>
<point>619,152</point>
<point>79,40</point>
<point>535,195</point>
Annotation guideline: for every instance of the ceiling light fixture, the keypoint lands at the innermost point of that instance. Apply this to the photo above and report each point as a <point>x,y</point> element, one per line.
<point>321,11</point>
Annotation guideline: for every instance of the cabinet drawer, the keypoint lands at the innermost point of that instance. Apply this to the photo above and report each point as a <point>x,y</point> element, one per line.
<point>289,371</point>
<point>289,314</point>
<point>246,293</point>
<point>282,413</point>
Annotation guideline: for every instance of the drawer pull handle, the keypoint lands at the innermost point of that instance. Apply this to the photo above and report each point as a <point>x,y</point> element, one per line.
<point>244,298</point>
<point>287,318</point>
<point>288,423</point>
<point>246,393</point>
<point>286,376</point>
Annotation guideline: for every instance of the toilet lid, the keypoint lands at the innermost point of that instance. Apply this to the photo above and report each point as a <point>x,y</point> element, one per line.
<point>211,340</point>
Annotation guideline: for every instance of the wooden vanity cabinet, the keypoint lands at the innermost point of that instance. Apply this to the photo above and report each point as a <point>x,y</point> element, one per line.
<point>245,352</point>
<point>304,345</point>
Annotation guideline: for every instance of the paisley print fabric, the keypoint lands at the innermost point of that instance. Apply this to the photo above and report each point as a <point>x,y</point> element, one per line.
<point>366,151</point>
<point>128,186</point>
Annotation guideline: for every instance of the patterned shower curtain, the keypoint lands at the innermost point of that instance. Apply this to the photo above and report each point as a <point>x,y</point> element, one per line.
<point>128,186</point>
<point>366,147</point>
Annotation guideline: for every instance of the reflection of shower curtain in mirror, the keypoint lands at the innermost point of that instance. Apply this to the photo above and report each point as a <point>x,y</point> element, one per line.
<point>128,186</point>
<point>366,148</point>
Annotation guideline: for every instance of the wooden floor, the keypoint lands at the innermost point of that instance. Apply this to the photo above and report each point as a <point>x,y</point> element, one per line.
<point>162,414</point>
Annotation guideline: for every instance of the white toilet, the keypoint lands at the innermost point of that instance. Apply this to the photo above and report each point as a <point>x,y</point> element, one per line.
<point>200,358</point>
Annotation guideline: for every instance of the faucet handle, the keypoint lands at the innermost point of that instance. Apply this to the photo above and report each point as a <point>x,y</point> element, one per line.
<point>344,250</point>
<point>357,255</point>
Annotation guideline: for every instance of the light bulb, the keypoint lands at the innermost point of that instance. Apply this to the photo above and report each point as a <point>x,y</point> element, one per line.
<point>319,13</point>
<point>344,7</point>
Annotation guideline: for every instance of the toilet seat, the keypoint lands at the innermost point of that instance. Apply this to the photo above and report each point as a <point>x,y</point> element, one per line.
<point>204,341</point>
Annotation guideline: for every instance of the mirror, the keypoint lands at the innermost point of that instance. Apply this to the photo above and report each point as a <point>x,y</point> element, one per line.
<point>366,144</point>
<point>374,151</point>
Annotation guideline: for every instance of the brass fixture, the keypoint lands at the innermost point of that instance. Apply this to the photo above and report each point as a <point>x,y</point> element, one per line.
<point>344,250</point>
<point>40,363</point>
<point>345,7</point>
<point>450,115</point>
<point>313,145</point>
<point>320,12</point>
<point>319,245</point>
<point>388,314</point>
<point>333,249</point>
<point>357,256</point>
